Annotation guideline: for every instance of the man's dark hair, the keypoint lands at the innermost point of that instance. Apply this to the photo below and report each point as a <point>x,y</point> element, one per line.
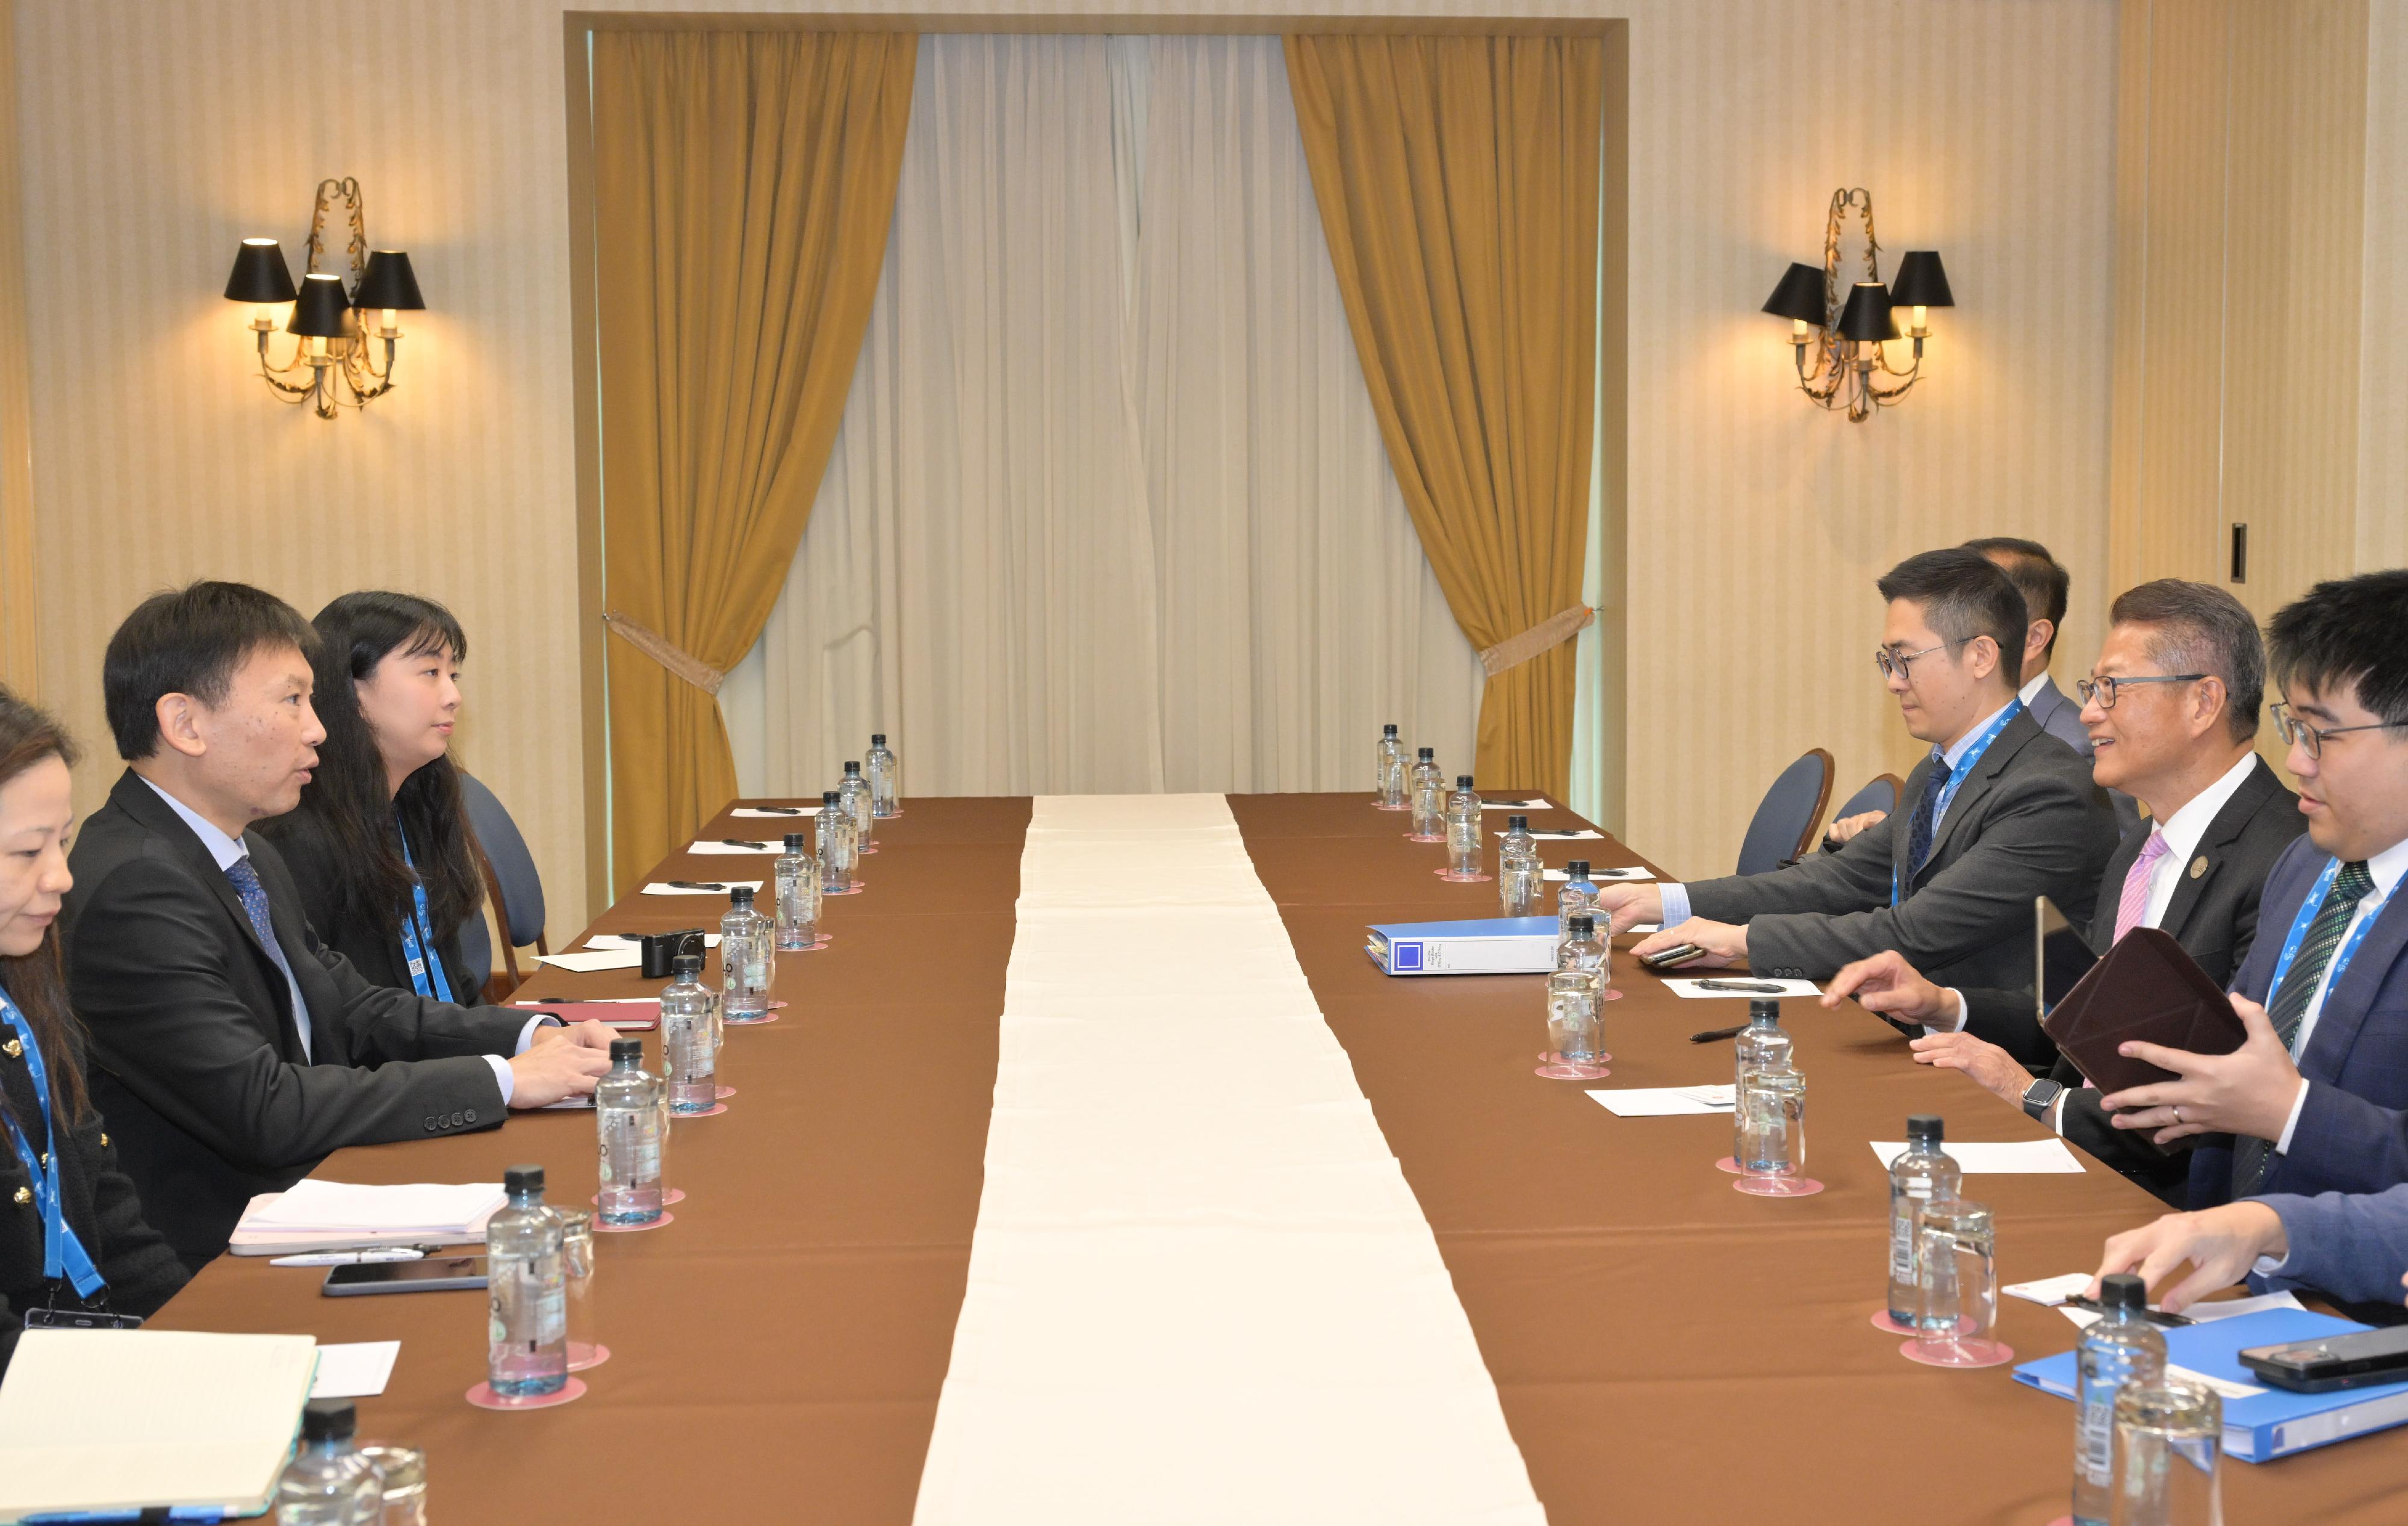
<point>2348,630</point>
<point>1964,595</point>
<point>2037,577</point>
<point>2200,628</point>
<point>189,640</point>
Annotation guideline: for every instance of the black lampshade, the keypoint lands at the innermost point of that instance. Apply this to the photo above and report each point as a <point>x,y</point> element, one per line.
<point>389,282</point>
<point>319,312</point>
<point>260,274</point>
<point>1867,316</point>
<point>1799,296</point>
<point>1921,281</point>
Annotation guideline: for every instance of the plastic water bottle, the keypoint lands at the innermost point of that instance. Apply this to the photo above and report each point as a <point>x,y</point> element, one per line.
<point>835,845</point>
<point>1388,770</point>
<point>798,878</point>
<point>526,1351</point>
<point>1429,797</point>
<point>1923,1173</point>
<point>854,794</point>
<point>1576,895</point>
<point>885,778</point>
<point>1574,1014</point>
<point>1463,852</point>
<point>1763,1045</point>
<point>627,1112</point>
<point>1772,1112</point>
<point>1586,949</point>
<point>689,1038</point>
<point>1519,875</point>
<point>2120,1348</point>
<point>748,960</point>
<point>328,1483</point>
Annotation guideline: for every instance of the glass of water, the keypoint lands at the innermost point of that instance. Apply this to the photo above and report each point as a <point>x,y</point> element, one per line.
<point>403,1470</point>
<point>2169,1436</point>
<point>1957,1274</point>
<point>577,1279</point>
<point>1772,1111</point>
<point>1518,886</point>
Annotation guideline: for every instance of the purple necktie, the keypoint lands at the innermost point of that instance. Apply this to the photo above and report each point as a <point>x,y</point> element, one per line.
<point>2130,911</point>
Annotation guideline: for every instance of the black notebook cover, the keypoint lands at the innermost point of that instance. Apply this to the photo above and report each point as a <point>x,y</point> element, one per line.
<point>2144,987</point>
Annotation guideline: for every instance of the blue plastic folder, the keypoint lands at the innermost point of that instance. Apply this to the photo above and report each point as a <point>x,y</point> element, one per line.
<point>1486,945</point>
<point>2273,1422</point>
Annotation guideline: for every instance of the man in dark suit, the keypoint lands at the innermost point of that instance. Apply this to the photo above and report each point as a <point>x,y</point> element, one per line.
<point>2315,1099</point>
<point>2172,707</point>
<point>231,1051</point>
<point>1999,813</point>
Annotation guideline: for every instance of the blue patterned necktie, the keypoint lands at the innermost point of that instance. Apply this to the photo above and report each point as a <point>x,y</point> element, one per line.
<point>2251,1156</point>
<point>255,905</point>
<point>1927,813</point>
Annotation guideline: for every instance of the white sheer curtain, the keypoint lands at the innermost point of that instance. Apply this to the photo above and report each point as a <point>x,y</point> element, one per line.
<point>1109,509</point>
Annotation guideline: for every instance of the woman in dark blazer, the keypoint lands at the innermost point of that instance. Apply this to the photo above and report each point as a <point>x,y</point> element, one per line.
<point>381,847</point>
<point>106,1257</point>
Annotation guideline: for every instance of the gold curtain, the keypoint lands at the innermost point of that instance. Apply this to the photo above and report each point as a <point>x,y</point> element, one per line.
<point>1457,180</point>
<point>743,184</point>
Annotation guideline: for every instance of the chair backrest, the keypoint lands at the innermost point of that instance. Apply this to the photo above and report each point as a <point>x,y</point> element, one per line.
<point>510,880</point>
<point>1880,793</point>
<point>1790,815</point>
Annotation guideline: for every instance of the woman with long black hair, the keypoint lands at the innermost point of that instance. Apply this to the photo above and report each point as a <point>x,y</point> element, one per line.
<point>72,1238</point>
<point>380,846</point>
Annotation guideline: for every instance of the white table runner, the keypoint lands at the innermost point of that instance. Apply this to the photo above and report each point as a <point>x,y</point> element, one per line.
<point>1200,1289</point>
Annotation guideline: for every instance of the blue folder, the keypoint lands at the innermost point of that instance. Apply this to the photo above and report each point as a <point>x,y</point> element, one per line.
<point>2273,1422</point>
<point>1482,945</point>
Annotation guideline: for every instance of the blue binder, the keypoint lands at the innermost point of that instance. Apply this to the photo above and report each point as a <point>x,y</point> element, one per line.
<point>2273,1422</point>
<point>1483,945</point>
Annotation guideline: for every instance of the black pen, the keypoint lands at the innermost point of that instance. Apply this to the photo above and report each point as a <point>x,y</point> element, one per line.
<point>2155,1317</point>
<point>779,811</point>
<point>730,842</point>
<point>1713,1035</point>
<point>1758,986</point>
<point>695,885</point>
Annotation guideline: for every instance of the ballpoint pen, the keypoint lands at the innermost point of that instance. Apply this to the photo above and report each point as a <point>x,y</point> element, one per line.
<point>696,885</point>
<point>1715,1034</point>
<point>1757,986</point>
<point>349,1258</point>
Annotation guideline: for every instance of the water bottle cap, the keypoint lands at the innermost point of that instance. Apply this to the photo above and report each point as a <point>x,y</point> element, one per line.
<point>829,798</point>
<point>2123,1291</point>
<point>877,738</point>
<point>1769,1011</point>
<point>1518,823</point>
<point>741,896</point>
<point>1428,754</point>
<point>626,1051</point>
<point>1577,869</point>
<point>686,964</point>
<point>1463,781</point>
<point>1584,926</point>
<point>524,1178</point>
<point>1926,1128</point>
<point>328,1419</point>
<point>853,768</point>
<point>794,842</point>
<point>1389,730</point>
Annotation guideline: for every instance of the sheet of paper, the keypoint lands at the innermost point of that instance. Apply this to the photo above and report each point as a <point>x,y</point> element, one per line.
<point>2018,1158</point>
<point>2225,1308</point>
<point>1751,988</point>
<point>1665,1101</point>
<point>1600,877</point>
<point>1564,833</point>
<point>698,887</point>
<point>1533,804</point>
<point>2048,1291</point>
<point>753,847</point>
<point>756,813</point>
<point>591,961</point>
<point>635,940</point>
<point>631,1001</point>
<point>315,1203</point>
<point>357,1370</point>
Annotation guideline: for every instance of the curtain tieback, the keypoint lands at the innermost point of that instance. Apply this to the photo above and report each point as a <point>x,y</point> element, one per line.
<point>1554,631</point>
<point>661,649</point>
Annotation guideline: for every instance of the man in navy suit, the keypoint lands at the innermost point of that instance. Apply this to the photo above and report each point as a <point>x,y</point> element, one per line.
<point>2315,1099</point>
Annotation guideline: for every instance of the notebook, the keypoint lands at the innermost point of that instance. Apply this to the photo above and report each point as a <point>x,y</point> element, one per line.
<point>2144,987</point>
<point>336,1216</point>
<point>125,1420</point>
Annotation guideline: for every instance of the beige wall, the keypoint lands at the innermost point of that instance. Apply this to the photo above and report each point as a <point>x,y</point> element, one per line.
<point>156,134</point>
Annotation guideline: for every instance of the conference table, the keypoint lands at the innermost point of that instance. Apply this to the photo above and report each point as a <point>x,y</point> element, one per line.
<point>1664,1349</point>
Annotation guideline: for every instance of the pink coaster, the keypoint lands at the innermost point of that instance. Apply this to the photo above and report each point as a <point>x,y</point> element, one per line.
<point>852,888</point>
<point>483,1397</point>
<point>1549,1057</point>
<point>751,1022</point>
<point>672,1195</point>
<point>812,948</point>
<point>1777,1185</point>
<point>1378,806</point>
<point>1563,1071</point>
<point>1727,1163</point>
<point>869,848</point>
<point>586,1354</point>
<point>777,1004</point>
<point>1611,994</point>
<point>601,1228</point>
<point>888,817</point>
<point>712,1111</point>
<point>726,1092</point>
<point>1888,1326</point>
<point>1957,1353</point>
<point>1452,877</point>
<point>1417,837</point>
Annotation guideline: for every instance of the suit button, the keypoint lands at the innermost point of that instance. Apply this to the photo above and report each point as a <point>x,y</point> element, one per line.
<point>472,1115</point>
<point>24,1195</point>
<point>458,1119</point>
<point>430,1126</point>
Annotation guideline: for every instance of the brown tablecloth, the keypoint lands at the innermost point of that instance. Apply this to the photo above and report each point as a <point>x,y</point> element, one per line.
<point>1666,1348</point>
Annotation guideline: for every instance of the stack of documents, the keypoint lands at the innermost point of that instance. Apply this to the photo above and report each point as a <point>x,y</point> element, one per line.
<point>128,1420</point>
<point>339,1216</point>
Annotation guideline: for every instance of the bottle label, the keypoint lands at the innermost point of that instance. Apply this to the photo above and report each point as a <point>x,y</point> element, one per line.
<point>2095,1434</point>
<point>1904,1204</point>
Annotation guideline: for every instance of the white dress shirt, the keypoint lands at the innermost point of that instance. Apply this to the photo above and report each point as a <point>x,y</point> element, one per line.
<point>2386,868</point>
<point>227,852</point>
<point>2032,691</point>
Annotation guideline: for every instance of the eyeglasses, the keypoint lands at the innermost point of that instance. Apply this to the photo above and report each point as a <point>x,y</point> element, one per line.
<point>2298,732</point>
<point>2106,688</point>
<point>1893,664</point>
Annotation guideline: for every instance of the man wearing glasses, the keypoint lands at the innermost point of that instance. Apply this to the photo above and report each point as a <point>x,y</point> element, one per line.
<point>2315,1099</point>
<point>2171,713</point>
<point>2001,812</point>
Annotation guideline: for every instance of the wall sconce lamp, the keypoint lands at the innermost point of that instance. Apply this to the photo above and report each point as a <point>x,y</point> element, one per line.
<point>331,343</point>
<point>1848,338</point>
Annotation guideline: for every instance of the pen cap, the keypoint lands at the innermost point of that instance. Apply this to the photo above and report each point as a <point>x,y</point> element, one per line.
<point>1760,1010</point>
<point>741,896</point>
<point>1577,869</point>
<point>1463,781</point>
<point>686,964</point>
<point>2123,1291</point>
<point>1429,755</point>
<point>328,1419</point>
<point>877,738</point>
<point>626,1051</point>
<point>1388,730</point>
<point>522,1180</point>
<point>1924,1128</point>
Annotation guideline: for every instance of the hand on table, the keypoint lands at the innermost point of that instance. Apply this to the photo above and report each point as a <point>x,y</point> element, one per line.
<point>1887,985</point>
<point>587,1034</point>
<point>2000,1074</point>
<point>1725,944</point>
<point>562,1067</point>
<point>2248,1092</point>
<point>1627,905</point>
<point>1848,826</point>
<point>2220,1243</point>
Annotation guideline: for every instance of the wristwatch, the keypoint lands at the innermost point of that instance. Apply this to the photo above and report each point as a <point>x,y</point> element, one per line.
<point>2038,1096</point>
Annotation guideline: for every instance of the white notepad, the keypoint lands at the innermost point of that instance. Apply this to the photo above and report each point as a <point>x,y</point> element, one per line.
<point>1666,1101</point>
<point>2016,1158</point>
<point>126,1420</point>
<point>752,848</point>
<point>756,813</point>
<point>437,1207</point>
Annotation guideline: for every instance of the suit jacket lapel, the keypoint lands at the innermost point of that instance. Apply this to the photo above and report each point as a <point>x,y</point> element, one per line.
<point>2045,705</point>
<point>2347,1004</point>
<point>2019,732</point>
<point>2221,832</point>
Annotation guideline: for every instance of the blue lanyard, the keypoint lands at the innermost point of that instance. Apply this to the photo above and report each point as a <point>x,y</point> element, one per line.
<point>1956,777</point>
<point>63,1251</point>
<point>2306,917</point>
<point>426,974</point>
